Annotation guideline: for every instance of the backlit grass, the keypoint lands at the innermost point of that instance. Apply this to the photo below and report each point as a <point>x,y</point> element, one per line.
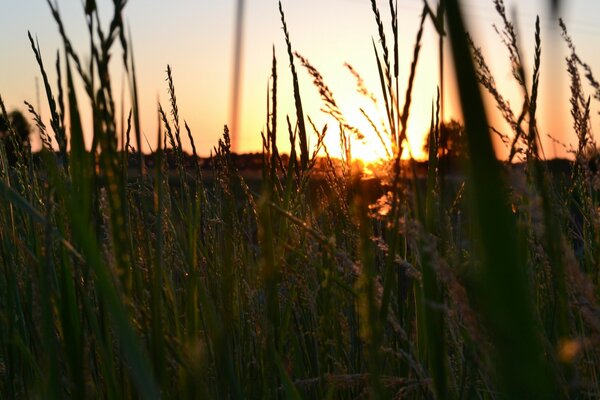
<point>122,278</point>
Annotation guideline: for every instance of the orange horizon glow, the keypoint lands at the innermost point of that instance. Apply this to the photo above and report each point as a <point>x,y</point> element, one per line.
<point>198,45</point>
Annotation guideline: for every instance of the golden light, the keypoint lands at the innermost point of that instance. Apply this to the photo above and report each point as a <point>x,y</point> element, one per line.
<point>375,145</point>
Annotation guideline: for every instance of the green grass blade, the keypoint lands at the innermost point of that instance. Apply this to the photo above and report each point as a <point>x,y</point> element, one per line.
<point>504,297</point>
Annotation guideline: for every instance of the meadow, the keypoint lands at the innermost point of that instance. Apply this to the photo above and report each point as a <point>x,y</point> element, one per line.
<point>128,279</point>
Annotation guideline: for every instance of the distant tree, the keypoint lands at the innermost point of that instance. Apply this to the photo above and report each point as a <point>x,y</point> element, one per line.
<point>16,140</point>
<point>453,144</point>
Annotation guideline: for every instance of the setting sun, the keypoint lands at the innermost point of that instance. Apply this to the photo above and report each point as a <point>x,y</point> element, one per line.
<point>375,144</point>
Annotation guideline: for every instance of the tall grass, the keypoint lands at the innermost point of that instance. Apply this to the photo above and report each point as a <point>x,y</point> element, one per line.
<point>123,278</point>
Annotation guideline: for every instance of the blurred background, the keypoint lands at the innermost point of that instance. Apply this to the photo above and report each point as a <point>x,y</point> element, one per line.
<point>197,40</point>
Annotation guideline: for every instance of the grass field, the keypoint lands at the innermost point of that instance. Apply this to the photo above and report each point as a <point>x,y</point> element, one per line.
<point>156,283</point>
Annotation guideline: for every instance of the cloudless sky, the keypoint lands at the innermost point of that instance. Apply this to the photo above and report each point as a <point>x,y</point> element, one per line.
<point>196,39</point>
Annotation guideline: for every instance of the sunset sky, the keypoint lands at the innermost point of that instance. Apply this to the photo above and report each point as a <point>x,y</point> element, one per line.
<point>196,39</point>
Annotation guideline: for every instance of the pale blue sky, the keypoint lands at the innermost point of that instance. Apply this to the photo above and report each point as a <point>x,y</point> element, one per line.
<point>195,38</point>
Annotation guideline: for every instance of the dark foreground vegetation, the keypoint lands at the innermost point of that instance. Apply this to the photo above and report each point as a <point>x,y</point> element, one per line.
<point>121,284</point>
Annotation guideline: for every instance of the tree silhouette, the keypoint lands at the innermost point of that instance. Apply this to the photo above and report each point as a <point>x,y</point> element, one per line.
<point>452,143</point>
<point>14,133</point>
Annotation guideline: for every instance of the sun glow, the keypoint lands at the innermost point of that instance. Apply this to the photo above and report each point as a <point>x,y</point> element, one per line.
<point>375,143</point>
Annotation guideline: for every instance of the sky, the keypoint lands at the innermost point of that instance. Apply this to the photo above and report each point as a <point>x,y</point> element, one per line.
<point>196,39</point>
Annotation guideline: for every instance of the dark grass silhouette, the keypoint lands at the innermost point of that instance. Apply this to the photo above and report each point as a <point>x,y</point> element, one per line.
<point>164,282</point>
